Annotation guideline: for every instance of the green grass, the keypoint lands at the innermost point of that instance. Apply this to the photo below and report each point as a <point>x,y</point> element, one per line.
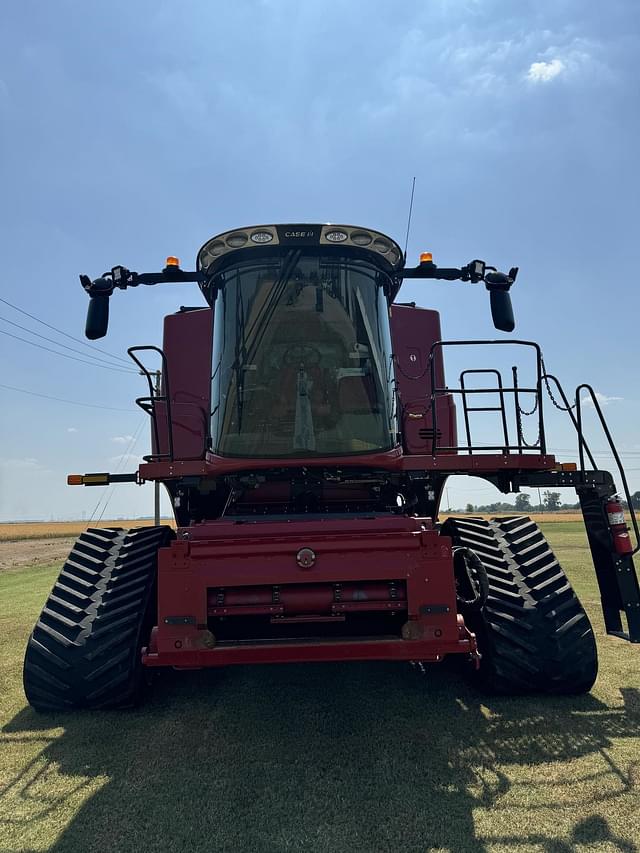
<point>357,757</point>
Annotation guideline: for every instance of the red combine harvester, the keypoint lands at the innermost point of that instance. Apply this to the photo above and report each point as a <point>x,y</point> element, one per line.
<point>305,433</point>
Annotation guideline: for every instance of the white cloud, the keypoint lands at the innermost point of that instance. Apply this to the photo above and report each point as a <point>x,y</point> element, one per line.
<point>543,72</point>
<point>603,399</point>
<point>27,462</point>
<point>26,465</point>
<point>72,429</point>
<point>122,439</point>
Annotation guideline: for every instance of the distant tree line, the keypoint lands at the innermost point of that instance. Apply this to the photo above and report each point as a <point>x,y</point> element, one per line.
<point>550,503</point>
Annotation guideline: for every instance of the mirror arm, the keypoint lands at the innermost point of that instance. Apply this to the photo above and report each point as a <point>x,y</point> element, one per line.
<point>121,278</point>
<point>497,283</point>
<point>100,289</point>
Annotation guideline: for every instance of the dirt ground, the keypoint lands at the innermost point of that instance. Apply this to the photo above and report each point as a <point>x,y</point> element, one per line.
<point>33,552</point>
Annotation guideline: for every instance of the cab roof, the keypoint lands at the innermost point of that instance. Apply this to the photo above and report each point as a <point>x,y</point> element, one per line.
<point>300,235</point>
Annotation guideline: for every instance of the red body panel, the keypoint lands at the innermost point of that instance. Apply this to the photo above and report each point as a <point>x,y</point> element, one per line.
<point>225,565</point>
<point>395,460</point>
<point>414,331</point>
<point>187,346</point>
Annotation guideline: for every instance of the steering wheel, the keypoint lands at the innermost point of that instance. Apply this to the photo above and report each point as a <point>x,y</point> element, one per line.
<point>301,354</point>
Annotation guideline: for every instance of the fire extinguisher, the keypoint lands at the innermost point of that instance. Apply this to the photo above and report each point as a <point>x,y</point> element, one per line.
<point>618,526</point>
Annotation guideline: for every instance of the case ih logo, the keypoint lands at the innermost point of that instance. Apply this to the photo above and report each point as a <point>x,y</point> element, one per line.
<point>301,234</point>
<point>305,558</point>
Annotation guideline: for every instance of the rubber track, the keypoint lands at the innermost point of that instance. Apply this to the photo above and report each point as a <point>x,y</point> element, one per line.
<point>84,651</point>
<point>533,633</point>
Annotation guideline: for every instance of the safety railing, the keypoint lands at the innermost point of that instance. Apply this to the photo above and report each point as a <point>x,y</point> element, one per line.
<point>582,449</point>
<point>150,404</point>
<point>544,381</point>
<point>466,393</point>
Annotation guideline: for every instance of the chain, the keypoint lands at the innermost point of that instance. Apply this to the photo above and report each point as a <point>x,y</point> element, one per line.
<point>536,443</point>
<point>406,375</point>
<point>550,392</point>
<point>519,413</point>
<point>532,412</point>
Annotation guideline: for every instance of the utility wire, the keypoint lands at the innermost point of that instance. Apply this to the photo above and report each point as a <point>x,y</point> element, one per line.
<point>107,495</point>
<point>60,331</point>
<point>64,355</point>
<point>57,343</point>
<point>61,400</point>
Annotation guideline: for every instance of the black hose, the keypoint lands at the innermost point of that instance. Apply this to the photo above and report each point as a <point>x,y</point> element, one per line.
<point>472,582</point>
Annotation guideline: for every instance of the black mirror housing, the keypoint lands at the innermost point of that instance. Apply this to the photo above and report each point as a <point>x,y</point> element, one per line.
<point>502,310</point>
<point>97,317</point>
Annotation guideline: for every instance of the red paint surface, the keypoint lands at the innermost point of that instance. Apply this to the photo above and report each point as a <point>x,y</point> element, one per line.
<point>360,554</point>
<point>414,331</point>
<point>187,346</point>
<point>394,460</point>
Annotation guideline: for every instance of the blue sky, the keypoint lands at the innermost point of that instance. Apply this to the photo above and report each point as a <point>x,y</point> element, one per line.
<point>130,131</point>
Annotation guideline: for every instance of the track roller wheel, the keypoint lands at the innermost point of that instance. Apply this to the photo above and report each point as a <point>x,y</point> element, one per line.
<point>533,633</point>
<point>84,651</point>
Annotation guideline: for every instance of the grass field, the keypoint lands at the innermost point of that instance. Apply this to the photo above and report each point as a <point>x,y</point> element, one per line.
<point>355,758</point>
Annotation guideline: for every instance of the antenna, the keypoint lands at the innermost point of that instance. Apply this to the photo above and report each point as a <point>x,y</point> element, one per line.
<point>406,242</point>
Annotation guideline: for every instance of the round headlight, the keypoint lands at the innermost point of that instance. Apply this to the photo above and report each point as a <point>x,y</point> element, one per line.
<point>360,238</point>
<point>234,241</point>
<point>336,236</point>
<point>261,237</point>
<point>216,249</point>
<point>381,246</point>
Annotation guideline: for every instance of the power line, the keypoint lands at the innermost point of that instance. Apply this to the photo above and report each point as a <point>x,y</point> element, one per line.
<point>61,400</point>
<point>57,343</point>
<point>64,355</point>
<point>107,495</point>
<point>60,331</point>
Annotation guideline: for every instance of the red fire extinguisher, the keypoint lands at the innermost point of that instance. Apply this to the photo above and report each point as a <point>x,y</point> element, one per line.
<point>618,526</point>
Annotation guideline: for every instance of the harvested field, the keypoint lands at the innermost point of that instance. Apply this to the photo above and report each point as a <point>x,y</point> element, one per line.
<point>13,531</point>
<point>18,553</point>
<point>538,517</point>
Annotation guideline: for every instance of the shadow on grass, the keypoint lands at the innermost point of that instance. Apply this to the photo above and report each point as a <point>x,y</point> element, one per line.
<point>345,758</point>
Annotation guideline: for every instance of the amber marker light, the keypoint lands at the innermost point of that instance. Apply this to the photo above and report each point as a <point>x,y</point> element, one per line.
<point>426,258</point>
<point>172,261</point>
<point>74,480</point>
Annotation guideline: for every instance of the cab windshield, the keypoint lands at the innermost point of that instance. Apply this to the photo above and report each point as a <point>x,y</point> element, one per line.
<point>301,359</point>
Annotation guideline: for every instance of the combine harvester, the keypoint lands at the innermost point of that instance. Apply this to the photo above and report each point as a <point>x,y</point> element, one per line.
<point>304,433</point>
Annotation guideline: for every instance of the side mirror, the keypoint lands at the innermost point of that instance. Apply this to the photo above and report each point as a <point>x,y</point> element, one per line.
<point>97,317</point>
<point>502,310</point>
<point>98,311</point>
<point>498,284</point>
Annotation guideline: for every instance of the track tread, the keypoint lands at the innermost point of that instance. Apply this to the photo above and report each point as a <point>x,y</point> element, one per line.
<point>533,632</point>
<point>84,651</point>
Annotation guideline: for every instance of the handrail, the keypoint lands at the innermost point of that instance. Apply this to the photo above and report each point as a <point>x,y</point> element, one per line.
<point>614,452</point>
<point>569,409</point>
<point>148,404</point>
<point>435,391</point>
